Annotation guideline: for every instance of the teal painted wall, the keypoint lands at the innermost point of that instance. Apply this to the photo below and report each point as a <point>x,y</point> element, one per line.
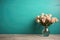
<point>18,16</point>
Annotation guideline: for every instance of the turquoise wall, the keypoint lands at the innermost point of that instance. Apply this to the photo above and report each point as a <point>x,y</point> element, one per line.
<point>18,16</point>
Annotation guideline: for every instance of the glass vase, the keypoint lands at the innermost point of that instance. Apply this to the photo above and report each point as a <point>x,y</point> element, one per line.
<point>45,32</point>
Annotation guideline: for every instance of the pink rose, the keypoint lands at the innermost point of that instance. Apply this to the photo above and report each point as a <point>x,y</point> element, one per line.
<point>43,20</point>
<point>54,20</point>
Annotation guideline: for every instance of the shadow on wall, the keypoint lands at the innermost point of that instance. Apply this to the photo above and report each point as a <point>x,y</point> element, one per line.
<point>37,28</point>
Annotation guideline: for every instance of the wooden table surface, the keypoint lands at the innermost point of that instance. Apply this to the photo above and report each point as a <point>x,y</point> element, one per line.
<point>28,37</point>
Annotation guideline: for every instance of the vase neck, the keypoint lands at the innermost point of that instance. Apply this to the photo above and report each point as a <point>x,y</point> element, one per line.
<point>46,29</point>
<point>46,26</point>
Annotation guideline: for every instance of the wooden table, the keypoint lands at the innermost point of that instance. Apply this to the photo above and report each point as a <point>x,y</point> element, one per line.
<point>28,37</point>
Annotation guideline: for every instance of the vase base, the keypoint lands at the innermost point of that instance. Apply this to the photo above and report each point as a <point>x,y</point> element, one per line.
<point>46,34</point>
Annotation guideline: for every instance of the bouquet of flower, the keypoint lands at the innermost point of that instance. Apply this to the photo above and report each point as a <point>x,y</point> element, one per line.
<point>46,19</point>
